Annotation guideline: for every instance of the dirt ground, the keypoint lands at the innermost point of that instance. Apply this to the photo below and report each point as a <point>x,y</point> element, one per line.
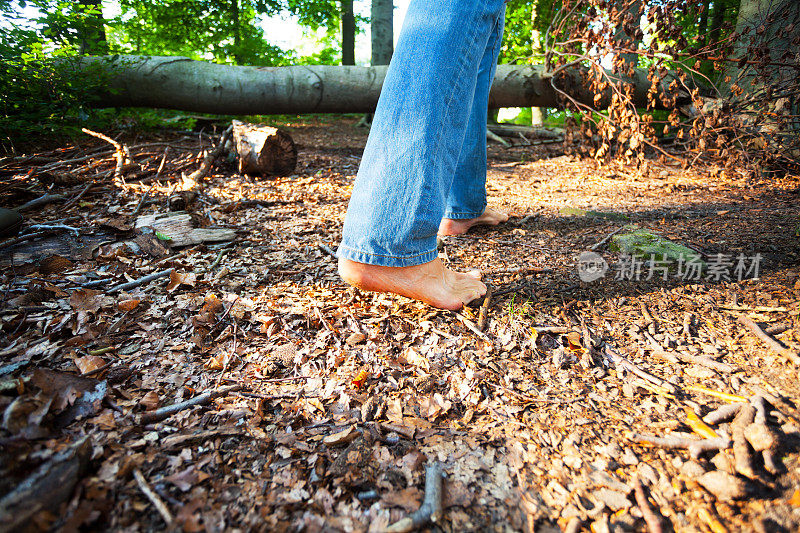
<point>332,401</point>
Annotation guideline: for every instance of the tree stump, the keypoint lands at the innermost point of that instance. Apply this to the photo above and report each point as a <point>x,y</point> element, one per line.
<point>264,150</point>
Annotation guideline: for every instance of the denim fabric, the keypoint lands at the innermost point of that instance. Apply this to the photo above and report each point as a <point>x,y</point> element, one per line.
<point>428,134</point>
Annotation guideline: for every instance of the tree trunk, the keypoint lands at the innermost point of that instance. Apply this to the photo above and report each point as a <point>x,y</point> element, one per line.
<point>538,114</point>
<point>92,33</point>
<point>381,27</point>
<point>702,25</point>
<point>626,31</point>
<point>237,40</point>
<point>720,6</point>
<point>199,86</point>
<point>348,33</point>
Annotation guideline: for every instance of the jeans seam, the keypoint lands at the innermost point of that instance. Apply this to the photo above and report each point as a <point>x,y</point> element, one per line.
<point>384,255</point>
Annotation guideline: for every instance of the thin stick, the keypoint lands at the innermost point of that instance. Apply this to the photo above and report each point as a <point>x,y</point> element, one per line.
<point>494,137</point>
<point>201,172</point>
<point>200,399</point>
<point>653,519</point>
<point>159,504</point>
<point>42,200</point>
<point>23,238</point>
<point>483,314</point>
<point>696,447</point>
<point>773,345</point>
<point>431,508</point>
<point>140,281</point>
<point>471,326</point>
<point>79,195</point>
<point>327,249</point>
<point>605,239</point>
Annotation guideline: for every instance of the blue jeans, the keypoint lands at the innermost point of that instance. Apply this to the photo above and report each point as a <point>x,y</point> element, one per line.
<point>425,158</point>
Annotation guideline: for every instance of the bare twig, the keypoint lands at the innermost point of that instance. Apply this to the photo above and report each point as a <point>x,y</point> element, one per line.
<point>483,314</point>
<point>431,509</point>
<point>471,326</point>
<point>79,195</point>
<point>154,498</point>
<point>604,240</point>
<point>327,249</point>
<point>653,518</point>
<point>773,345</point>
<point>42,200</point>
<point>696,447</point>
<point>210,157</point>
<point>140,281</point>
<point>201,399</point>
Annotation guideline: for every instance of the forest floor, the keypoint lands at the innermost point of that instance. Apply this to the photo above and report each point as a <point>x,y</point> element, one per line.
<point>332,401</point>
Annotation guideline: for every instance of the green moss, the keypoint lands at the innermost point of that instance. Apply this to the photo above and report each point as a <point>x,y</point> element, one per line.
<point>644,244</point>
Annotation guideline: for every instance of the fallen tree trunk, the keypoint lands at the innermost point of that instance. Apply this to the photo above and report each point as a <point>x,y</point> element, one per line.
<point>199,86</point>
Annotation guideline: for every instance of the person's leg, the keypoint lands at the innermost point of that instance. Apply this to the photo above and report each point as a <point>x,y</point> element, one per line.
<point>389,236</point>
<point>466,201</point>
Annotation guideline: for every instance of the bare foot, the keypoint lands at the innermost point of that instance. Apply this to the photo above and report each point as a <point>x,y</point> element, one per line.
<point>489,217</point>
<point>431,282</point>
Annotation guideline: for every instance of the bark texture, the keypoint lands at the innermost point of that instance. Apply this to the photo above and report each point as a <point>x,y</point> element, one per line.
<point>199,86</point>
<point>381,28</point>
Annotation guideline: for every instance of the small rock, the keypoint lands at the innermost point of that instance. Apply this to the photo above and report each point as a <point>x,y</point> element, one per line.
<point>648,473</point>
<point>761,437</point>
<point>611,450</point>
<point>724,486</point>
<point>629,458</point>
<point>723,461</point>
<point>613,499</point>
<point>692,470</point>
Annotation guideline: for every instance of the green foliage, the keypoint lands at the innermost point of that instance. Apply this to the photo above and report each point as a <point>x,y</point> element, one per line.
<point>41,95</point>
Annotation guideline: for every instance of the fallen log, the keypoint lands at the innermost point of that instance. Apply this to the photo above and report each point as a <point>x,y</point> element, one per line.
<point>264,150</point>
<point>200,86</point>
<point>46,488</point>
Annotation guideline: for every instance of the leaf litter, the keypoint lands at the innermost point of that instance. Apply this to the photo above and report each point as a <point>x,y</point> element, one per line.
<point>241,384</point>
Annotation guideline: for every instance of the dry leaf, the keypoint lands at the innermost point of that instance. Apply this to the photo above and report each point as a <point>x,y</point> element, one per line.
<point>128,305</point>
<point>150,401</point>
<point>176,279</point>
<point>89,363</point>
<point>54,264</point>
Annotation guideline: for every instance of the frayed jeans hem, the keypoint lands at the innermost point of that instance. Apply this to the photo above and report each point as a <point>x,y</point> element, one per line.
<point>464,216</point>
<point>359,256</point>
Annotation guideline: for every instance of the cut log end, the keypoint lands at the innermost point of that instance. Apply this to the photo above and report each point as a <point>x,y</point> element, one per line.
<point>264,150</point>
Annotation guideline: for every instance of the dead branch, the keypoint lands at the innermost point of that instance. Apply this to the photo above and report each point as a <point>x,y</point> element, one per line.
<point>471,326</point>
<point>180,441</point>
<point>140,281</point>
<point>200,399</point>
<point>431,509</point>
<point>721,414</point>
<point>496,138</point>
<point>120,151</point>
<point>154,498</point>
<point>42,200</point>
<point>483,314</point>
<point>652,517</point>
<point>696,447</point>
<point>210,157</point>
<point>46,488</point>
<point>773,345</point>
<point>605,239</point>
<point>79,195</point>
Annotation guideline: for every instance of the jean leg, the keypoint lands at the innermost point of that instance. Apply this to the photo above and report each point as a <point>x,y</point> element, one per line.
<point>467,195</point>
<point>417,133</point>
